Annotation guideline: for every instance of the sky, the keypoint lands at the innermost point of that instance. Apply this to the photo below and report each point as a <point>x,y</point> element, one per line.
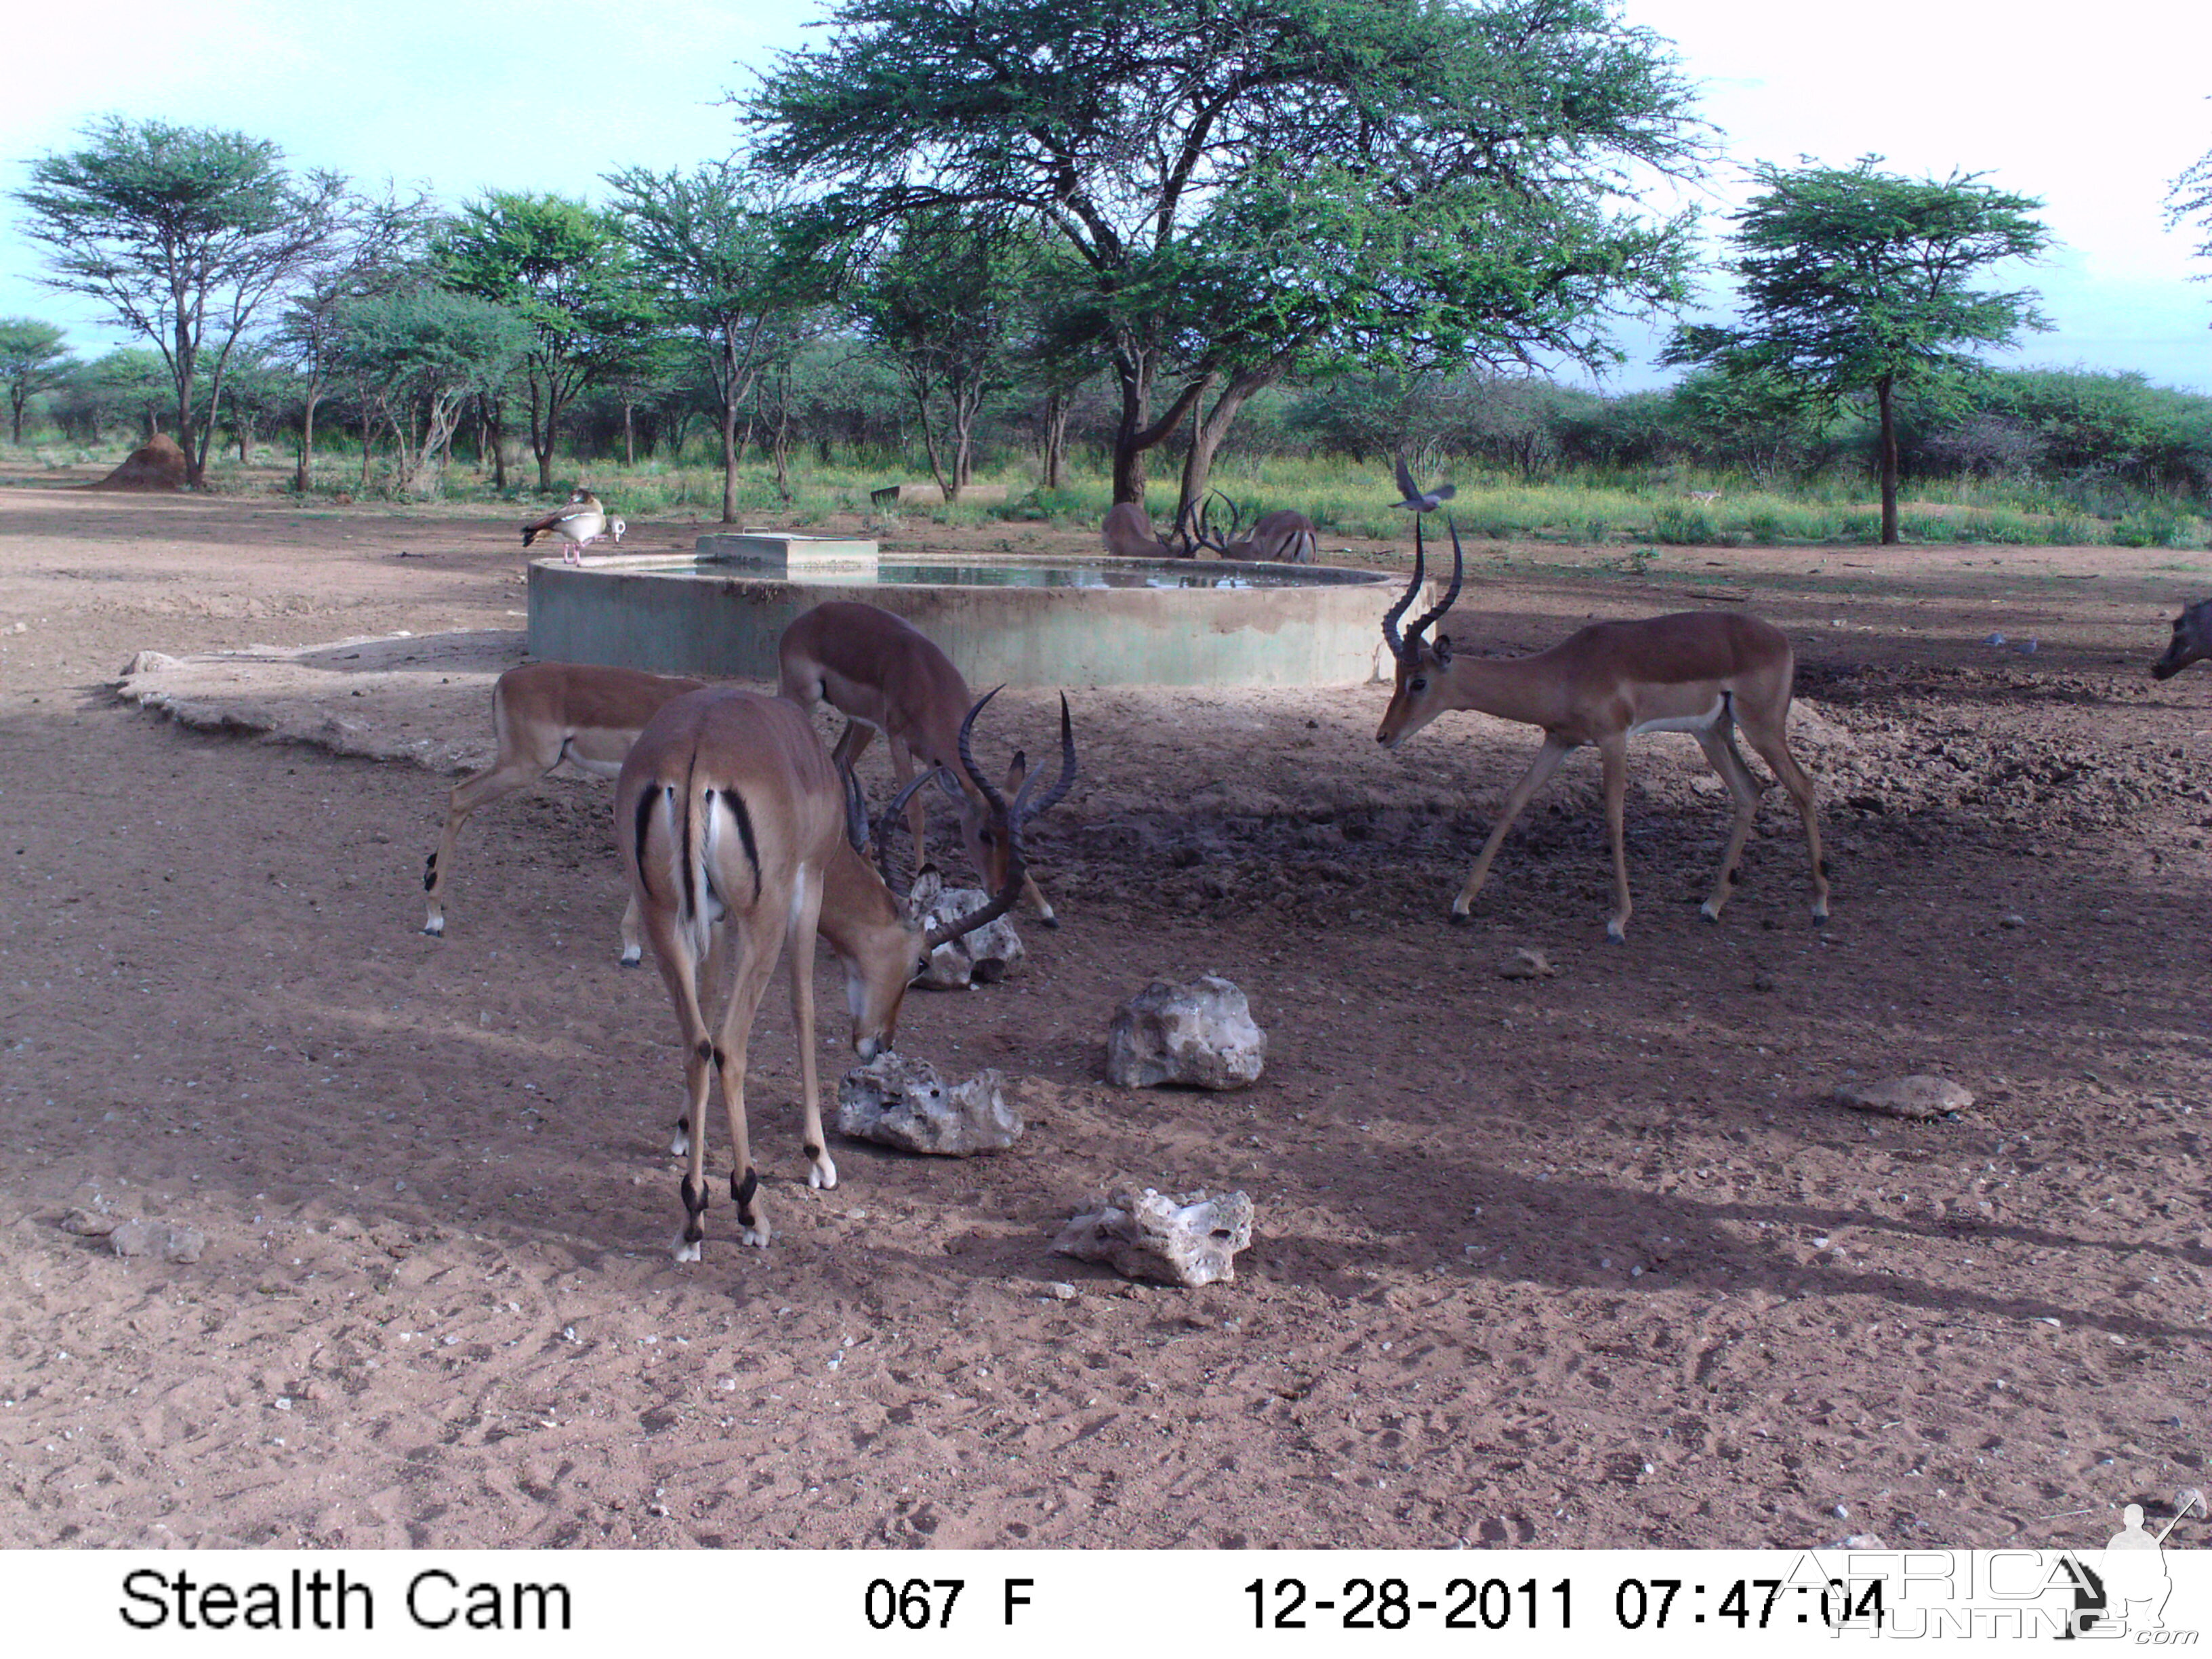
<point>2093,112</point>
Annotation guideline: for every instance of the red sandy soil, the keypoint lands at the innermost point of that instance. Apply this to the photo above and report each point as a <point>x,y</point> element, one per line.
<point>1586,1260</point>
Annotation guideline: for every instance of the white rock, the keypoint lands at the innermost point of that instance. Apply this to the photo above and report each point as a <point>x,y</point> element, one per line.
<point>1189,1239</point>
<point>1200,1034</point>
<point>903,1103</point>
<point>993,952</point>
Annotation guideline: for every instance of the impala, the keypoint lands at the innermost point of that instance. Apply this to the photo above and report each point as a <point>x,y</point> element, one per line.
<point>734,821</point>
<point>1283,537</point>
<point>543,713</point>
<point>1129,535</point>
<point>882,674</point>
<point>2191,641</point>
<point>1700,671</point>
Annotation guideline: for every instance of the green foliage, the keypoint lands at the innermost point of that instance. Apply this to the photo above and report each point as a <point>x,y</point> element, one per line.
<point>1857,281</point>
<point>183,234</point>
<point>1260,186</point>
<point>32,359</point>
<point>563,268</point>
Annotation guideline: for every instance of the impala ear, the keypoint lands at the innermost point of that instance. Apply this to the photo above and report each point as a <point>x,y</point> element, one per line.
<point>1018,773</point>
<point>928,886</point>
<point>1444,650</point>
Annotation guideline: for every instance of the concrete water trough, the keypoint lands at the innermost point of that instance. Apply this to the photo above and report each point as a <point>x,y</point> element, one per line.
<point>1038,621</point>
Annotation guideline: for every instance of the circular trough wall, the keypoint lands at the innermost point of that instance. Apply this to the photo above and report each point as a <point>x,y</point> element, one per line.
<point>687,617</point>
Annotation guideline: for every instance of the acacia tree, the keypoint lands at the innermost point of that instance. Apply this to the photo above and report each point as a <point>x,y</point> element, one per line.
<point>33,359</point>
<point>378,246</point>
<point>941,305</point>
<point>1259,187</point>
<point>184,233</point>
<point>420,354</point>
<point>711,242</point>
<point>562,267</point>
<point>1856,281</point>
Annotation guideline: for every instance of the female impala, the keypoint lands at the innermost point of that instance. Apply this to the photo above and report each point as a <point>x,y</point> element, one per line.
<point>737,828</point>
<point>1698,671</point>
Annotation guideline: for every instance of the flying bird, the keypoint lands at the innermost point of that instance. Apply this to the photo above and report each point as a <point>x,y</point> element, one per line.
<point>1416,499</point>
<point>580,523</point>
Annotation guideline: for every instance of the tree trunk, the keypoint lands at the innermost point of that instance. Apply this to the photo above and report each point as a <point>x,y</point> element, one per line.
<point>1055,437</point>
<point>1208,431</point>
<point>303,475</point>
<point>1133,370</point>
<point>730,459</point>
<point>629,434</point>
<point>15,400</point>
<point>495,422</point>
<point>1882,389</point>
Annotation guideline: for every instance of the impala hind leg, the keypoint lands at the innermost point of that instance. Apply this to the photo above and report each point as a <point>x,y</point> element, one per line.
<point>754,967</point>
<point>1772,744</point>
<point>821,1171</point>
<point>509,772</point>
<point>1516,802</point>
<point>1614,753</point>
<point>633,944</point>
<point>1719,745</point>
<point>680,971</point>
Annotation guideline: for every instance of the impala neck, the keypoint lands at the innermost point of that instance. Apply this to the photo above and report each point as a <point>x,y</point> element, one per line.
<point>1511,687</point>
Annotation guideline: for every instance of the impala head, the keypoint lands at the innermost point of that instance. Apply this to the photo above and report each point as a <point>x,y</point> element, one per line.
<point>901,942</point>
<point>2191,641</point>
<point>1419,696</point>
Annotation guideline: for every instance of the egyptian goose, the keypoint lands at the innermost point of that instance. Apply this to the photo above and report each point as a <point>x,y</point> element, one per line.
<point>580,523</point>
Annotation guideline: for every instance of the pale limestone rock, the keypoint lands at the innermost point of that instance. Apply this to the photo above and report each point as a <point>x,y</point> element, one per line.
<point>1921,1097</point>
<point>993,952</point>
<point>1201,1034</point>
<point>903,1103</point>
<point>1189,1240</point>
<point>162,1239</point>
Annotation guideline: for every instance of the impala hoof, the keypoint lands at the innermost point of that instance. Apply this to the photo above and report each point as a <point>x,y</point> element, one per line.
<point>1614,935</point>
<point>1821,920</point>
<point>631,959</point>
<point>1709,912</point>
<point>1047,920</point>
<point>688,1249</point>
<point>1460,918</point>
<point>435,927</point>
<point>757,1237</point>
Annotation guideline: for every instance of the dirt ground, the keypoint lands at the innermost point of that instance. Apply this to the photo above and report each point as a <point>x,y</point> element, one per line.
<point>1585,1261</point>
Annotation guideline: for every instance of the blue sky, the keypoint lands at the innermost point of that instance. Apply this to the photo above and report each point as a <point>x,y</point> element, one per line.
<point>2093,112</point>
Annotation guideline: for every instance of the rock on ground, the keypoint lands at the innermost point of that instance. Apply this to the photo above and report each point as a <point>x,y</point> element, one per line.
<point>993,952</point>
<point>162,1239</point>
<point>1201,1034</point>
<point>1190,1240</point>
<point>1921,1097</point>
<point>903,1103</point>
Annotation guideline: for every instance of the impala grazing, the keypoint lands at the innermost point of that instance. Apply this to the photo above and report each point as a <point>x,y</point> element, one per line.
<point>1700,671</point>
<point>882,674</point>
<point>543,713</point>
<point>743,838</point>
<point>2191,641</point>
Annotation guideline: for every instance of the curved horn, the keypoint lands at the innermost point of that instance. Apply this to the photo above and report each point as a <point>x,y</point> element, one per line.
<point>1060,785</point>
<point>1459,562</point>
<point>856,812</point>
<point>893,815</point>
<point>1004,900</point>
<point>1405,600</point>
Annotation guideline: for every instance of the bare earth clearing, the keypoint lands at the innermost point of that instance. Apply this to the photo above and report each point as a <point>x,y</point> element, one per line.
<point>1578,1262</point>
